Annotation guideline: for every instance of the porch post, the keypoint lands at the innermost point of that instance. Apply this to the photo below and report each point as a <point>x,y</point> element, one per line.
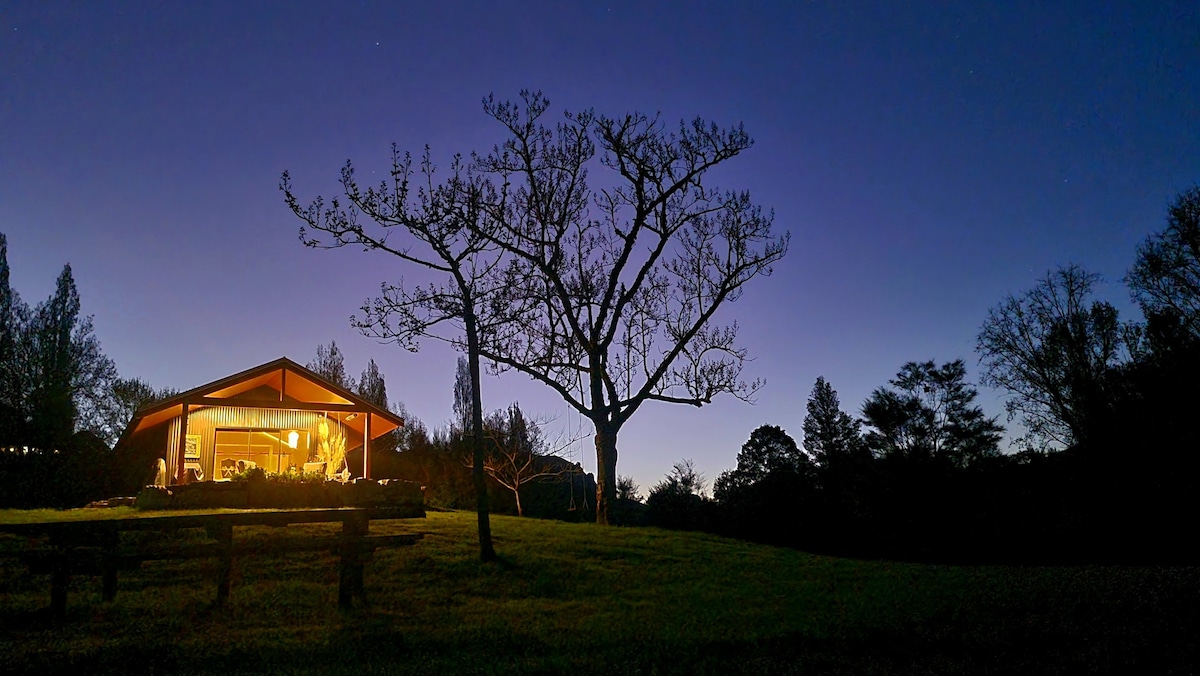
<point>180,469</point>
<point>367,446</point>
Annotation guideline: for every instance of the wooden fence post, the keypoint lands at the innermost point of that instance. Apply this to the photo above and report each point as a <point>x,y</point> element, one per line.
<point>108,555</point>
<point>59,578</point>
<point>350,584</point>
<point>222,532</point>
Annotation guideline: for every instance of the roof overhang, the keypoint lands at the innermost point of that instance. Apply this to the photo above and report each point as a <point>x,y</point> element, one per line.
<point>296,387</point>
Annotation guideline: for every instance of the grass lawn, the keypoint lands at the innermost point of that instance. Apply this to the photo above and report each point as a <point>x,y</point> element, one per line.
<point>586,599</point>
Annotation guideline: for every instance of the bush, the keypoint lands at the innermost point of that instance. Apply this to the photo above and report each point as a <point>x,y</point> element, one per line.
<point>297,478</point>
<point>678,501</point>
<point>250,474</point>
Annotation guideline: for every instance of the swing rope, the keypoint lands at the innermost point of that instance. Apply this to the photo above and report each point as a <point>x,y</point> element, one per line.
<point>579,437</point>
<point>571,507</point>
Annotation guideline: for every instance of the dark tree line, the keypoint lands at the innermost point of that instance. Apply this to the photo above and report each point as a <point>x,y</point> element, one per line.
<point>1105,464</point>
<point>888,484</point>
<point>54,375</point>
<point>62,405</point>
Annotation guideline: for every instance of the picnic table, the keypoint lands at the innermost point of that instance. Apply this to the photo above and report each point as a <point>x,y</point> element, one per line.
<point>93,546</point>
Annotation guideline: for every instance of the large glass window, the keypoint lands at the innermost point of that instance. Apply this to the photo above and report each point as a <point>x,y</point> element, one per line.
<point>271,450</point>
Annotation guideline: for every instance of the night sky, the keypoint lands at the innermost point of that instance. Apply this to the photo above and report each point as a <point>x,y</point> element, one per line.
<point>927,159</point>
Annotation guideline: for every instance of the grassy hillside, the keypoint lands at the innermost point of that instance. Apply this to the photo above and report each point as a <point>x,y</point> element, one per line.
<point>585,599</point>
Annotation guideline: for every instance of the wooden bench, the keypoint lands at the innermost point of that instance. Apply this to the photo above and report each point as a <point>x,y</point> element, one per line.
<point>93,546</point>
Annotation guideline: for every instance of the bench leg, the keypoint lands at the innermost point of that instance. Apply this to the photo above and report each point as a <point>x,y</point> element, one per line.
<point>350,586</point>
<point>223,534</point>
<point>110,582</point>
<point>58,590</point>
<point>350,583</point>
<point>109,562</point>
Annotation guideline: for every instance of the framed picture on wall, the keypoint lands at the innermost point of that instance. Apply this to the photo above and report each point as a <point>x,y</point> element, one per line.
<point>191,447</point>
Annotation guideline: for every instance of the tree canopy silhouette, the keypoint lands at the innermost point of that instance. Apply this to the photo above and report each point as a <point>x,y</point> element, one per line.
<point>13,314</point>
<point>768,450</point>
<point>54,379</point>
<point>615,288</point>
<point>1165,279</point>
<point>928,414</point>
<point>1052,352</point>
<point>829,432</point>
<point>330,364</point>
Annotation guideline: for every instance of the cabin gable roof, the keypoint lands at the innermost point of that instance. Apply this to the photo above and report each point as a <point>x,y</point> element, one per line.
<point>281,384</point>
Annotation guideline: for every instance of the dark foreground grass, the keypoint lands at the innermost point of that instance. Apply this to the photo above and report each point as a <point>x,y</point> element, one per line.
<point>575,598</point>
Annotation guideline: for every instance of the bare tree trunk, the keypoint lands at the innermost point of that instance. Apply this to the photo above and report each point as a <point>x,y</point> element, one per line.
<point>486,551</point>
<point>517,495</point>
<point>606,471</point>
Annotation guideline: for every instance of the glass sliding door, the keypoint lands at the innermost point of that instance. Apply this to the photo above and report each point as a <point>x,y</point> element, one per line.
<point>268,449</point>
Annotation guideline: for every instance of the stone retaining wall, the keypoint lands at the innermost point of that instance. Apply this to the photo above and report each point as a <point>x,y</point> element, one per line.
<point>271,494</point>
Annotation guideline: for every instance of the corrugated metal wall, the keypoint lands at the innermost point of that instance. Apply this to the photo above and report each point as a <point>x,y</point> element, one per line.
<point>206,421</point>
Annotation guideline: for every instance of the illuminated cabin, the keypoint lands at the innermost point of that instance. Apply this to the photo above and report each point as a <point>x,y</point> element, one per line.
<point>279,417</point>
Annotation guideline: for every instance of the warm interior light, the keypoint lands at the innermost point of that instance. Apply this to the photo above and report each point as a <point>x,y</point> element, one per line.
<point>293,438</point>
<point>352,416</point>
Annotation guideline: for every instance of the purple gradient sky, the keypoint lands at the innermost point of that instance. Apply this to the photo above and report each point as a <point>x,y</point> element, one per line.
<point>927,160</point>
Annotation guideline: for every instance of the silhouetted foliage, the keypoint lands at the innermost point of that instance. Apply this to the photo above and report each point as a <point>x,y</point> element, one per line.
<point>61,403</point>
<point>934,448</point>
<point>829,432</point>
<point>773,477</point>
<point>125,397</point>
<point>684,478</point>
<point>679,501</point>
<point>845,469</point>
<point>12,321</point>
<point>135,464</point>
<point>1158,391</point>
<point>627,489</point>
<point>1052,351</point>
<point>1108,471</point>
<point>13,317</point>
<point>769,450</point>
<point>1165,279</point>
<point>434,460</point>
<point>82,468</point>
<point>524,476</point>
<point>462,395</point>
<point>67,376</point>
<point>330,364</point>
<point>607,295</point>
<point>56,383</point>
<point>372,386</point>
<point>929,416</point>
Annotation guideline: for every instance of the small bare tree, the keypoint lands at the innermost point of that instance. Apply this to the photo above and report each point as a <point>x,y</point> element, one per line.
<point>518,452</point>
